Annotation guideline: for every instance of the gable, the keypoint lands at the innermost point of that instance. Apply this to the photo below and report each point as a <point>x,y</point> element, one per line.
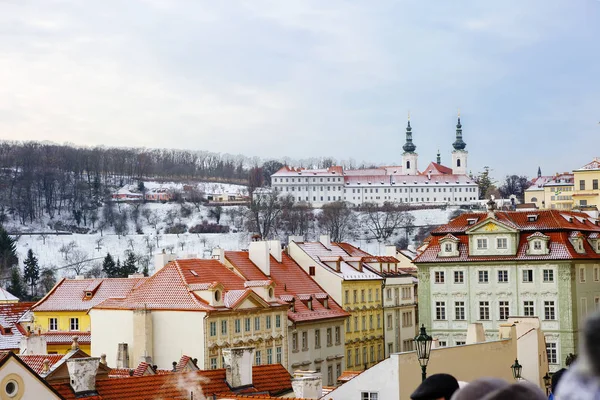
<point>490,225</point>
<point>251,301</point>
<point>29,385</point>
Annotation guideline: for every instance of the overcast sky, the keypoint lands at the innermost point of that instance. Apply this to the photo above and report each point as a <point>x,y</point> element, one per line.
<point>302,78</point>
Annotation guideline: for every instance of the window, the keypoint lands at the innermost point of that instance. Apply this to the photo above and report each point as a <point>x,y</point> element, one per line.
<point>389,321</point>
<point>304,341</point>
<point>278,354</point>
<point>440,310</point>
<point>295,341</point>
<point>459,310</point>
<point>257,323</point>
<point>269,356</point>
<point>257,357</point>
<point>551,353</point>
<point>268,322</point>
<point>311,271</point>
<point>371,321</point>
<point>372,353</point>
<point>484,310</point>
<point>442,343</point>
<point>348,325</point>
<point>357,356</point>
<point>74,324</point>
<point>330,375</point>
<point>459,277</point>
<point>347,296</point>
<point>481,244</point>
<point>329,338</point>
<point>596,272</point>
<point>370,295</point>
<point>317,338</point>
<point>238,326</point>
<point>213,329</point>
<point>372,395</point>
<point>483,277</point>
<point>583,307</point>
<point>407,319</point>
<point>278,321</point>
<point>439,276</point>
<point>355,323</point>
<point>349,358</point>
<point>338,370</point>
<point>460,343</point>
<point>581,184</point>
<point>527,275</point>
<point>407,345</point>
<point>213,363</point>
<point>376,294</point>
<point>364,323</point>
<point>549,310</point>
<point>595,184</point>
<point>388,294</point>
<point>528,308</point>
<point>548,275</point>
<point>537,244</point>
<point>355,297</point>
<point>406,293</point>
<point>390,348</point>
<point>502,276</point>
<point>448,247</point>
<point>501,243</point>
<point>503,309</point>
<point>364,355</point>
<point>582,274</point>
<point>52,324</point>
<point>247,324</point>
<point>338,335</point>
<point>362,295</point>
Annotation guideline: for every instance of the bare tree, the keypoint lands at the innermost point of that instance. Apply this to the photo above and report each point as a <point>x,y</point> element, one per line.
<point>78,261</point>
<point>263,213</point>
<point>170,248</point>
<point>337,220</point>
<point>131,244</point>
<point>66,249</point>
<point>99,242</point>
<point>181,244</point>
<point>383,221</point>
<point>44,236</point>
<point>196,197</point>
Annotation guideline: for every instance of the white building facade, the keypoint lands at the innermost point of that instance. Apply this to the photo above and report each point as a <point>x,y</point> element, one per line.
<point>436,184</point>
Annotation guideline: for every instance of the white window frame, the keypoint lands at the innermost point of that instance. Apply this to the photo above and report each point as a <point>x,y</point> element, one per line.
<point>528,305</point>
<point>582,275</point>
<point>550,310</point>
<point>500,242</point>
<point>459,310</point>
<point>529,273</point>
<point>552,352</point>
<point>482,244</point>
<point>74,324</point>
<point>484,310</point>
<point>369,396</point>
<point>483,273</point>
<point>440,310</point>
<point>503,310</point>
<point>548,275</point>
<point>502,276</point>
<point>53,326</point>
<point>460,274</point>
<point>439,277</point>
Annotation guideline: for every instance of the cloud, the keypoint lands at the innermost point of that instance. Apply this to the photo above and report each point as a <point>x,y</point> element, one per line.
<point>307,78</point>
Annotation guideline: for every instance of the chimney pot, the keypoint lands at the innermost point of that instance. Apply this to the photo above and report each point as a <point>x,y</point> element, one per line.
<point>75,344</point>
<point>82,372</point>
<point>103,358</point>
<point>46,366</point>
<point>238,366</point>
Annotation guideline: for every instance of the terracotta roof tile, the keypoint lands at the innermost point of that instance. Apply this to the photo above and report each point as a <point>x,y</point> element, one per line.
<point>66,337</point>
<point>36,361</point>
<point>10,313</point>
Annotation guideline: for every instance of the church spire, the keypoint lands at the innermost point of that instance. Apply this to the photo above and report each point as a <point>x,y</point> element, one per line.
<point>539,172</point>
<point>439,157</point>
<point>409,147</point>
<point>459,144</point>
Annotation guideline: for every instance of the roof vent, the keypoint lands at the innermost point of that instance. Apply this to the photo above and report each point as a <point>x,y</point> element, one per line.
<point>471,221</point>
<point>193,272</point>
<point>532,218</point>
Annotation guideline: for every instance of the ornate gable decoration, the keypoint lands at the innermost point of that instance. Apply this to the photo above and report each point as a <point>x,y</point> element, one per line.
<point>594,241</point>
<point>576,239</point>
<point>538,244</point>
<point>449,246</point>
<point>490,225</point>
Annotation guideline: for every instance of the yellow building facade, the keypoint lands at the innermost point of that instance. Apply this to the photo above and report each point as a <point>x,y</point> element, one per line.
<point>60,326</point>
<point>586,191</point>
<point>552,192</point>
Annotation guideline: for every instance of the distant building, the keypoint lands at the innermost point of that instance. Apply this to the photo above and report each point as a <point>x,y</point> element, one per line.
<point>405,184</point>
<point>11,331</point>
<point>551,192</point>
<point>586,192</point>
<point>488,267</point>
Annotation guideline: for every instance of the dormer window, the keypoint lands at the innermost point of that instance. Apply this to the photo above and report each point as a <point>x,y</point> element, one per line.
<point>217,295</point>
<point>537,244</point>
<point>532,218</point>
<point>471,221</point>
<point>309,304</point>
<point>448,247</point>
<point>326,303</point>
<point>271,292</point>
<point>88,294</point>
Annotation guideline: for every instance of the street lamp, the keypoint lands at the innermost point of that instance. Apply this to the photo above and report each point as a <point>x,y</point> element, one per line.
<point>516,370</point>
<point>547,383</point>
<point>423,345</point>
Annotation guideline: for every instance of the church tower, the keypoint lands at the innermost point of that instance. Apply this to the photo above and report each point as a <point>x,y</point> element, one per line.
<point>409,157</point>
<point>459,154</point>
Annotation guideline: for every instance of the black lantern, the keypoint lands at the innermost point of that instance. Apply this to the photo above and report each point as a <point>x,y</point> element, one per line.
<point>516,370</point>
<point>547,383</point>
<point>423,345</point>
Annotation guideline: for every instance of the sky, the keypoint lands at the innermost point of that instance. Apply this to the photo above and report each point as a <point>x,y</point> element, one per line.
<point>304,78</point>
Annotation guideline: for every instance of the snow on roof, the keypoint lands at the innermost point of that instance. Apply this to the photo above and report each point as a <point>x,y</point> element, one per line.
<point>5,295</point>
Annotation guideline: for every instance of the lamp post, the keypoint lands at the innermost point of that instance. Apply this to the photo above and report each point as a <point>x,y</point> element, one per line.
<point>516,370</point>
<point>547,383</point>
<point>423,345</point>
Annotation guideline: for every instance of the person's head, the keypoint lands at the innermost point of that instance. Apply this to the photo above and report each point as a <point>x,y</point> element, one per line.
<point>591,342</point>
<point>479,388</point>
<point>556,378</point>
<point>517,391</point>
<point>435,387</point>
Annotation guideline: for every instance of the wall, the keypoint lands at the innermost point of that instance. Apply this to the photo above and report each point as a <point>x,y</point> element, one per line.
<point>30,386</point>
<point>110,328</point>
<point>177,333</point>
<point>41,320</point>
<point>395,307</point>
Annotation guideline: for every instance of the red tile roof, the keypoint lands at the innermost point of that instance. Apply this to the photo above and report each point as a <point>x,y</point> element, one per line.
<point>291,281</point>
<point>437,169</point>
<point>267,379</point>
<point>69,294</point>
<point>558,226</point>
<point>10,313</point>
<point>66,337</point>
<point>36,361</point>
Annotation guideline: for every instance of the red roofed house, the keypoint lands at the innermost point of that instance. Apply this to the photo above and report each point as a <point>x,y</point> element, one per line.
<point>315,321</point>
<point>19,381</point>
<point>11,331</point>
<point>486,267</point>
<point>63,312</point>
<point>194,307</point>
<point>436,184</point>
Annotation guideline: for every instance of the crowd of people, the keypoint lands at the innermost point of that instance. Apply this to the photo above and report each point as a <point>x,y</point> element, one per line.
<point>579,381</point>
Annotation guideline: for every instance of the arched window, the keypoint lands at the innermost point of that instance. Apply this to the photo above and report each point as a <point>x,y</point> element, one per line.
<point>408,165</point>
<point>458,162</point>
<point>534,199</point>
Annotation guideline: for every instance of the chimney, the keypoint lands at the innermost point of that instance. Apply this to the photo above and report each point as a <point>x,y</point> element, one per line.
<point>103,358</point>
<point>238,366</point>
<point>142,349</point>
<point>325,240</point>
<point>33,344</point>
<point>162,259</point>
<point>122,356</point>
<point>475,333</point>
<point>390,251</point>
<point>82,372</point>
<point>75,344</point>
<point>275,249</point>
<point>295,238</point>
<point>46,367</point>
<point>307,384</point>
<point>259,255</point>
<point>218,254</point>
